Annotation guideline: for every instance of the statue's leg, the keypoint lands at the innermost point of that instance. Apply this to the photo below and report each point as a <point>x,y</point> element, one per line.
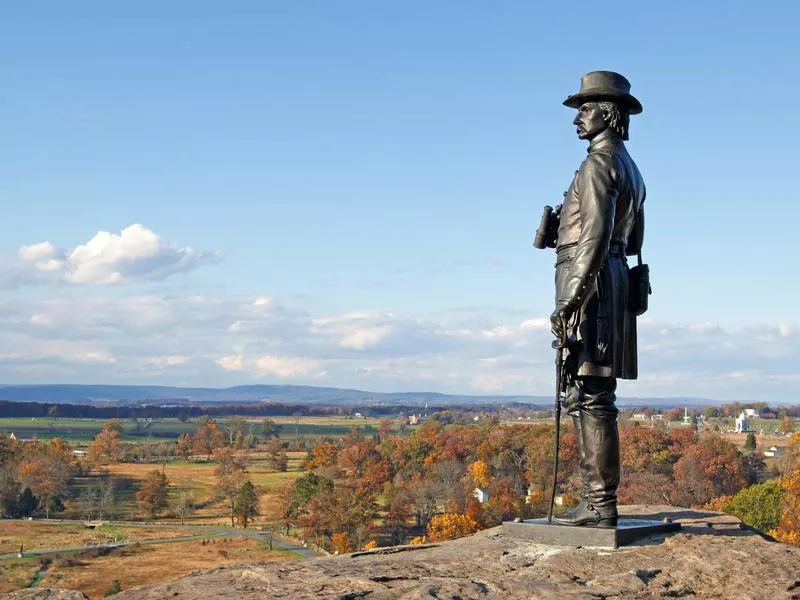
<point>601,444</point>
<point>591,404</point>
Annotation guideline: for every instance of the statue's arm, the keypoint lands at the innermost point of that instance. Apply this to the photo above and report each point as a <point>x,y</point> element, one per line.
<point>636,239</point>
<point>597,195</point>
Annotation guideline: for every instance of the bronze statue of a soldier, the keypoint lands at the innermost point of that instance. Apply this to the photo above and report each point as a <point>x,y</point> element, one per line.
<point>600,223</point>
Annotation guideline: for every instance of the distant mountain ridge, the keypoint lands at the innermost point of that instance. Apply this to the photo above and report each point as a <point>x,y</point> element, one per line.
<point>138,394</point>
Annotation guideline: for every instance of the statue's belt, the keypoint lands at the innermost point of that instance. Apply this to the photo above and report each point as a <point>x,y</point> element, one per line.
<point>567,252</point>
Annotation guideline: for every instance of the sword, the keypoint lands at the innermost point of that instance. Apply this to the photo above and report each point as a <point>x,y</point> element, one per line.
<point>559,345</point>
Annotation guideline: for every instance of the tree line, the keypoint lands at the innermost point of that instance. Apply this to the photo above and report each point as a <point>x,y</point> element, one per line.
<point>405,487</point>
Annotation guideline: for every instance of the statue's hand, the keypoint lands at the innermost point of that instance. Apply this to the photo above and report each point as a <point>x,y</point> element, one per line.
<point>558,321</point>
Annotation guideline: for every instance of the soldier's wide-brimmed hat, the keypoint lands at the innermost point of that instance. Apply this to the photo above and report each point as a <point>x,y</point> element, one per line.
<point>605,85</point>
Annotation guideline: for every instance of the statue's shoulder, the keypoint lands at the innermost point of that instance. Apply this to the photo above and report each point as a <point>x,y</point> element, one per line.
<point>600,160</point>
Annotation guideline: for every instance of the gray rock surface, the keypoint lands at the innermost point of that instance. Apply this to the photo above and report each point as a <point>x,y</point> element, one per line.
<point>725,561</point>
<point>45,594</point>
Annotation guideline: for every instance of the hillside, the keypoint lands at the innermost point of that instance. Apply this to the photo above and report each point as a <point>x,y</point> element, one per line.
<point>137,394</point>
<point>713,557</point>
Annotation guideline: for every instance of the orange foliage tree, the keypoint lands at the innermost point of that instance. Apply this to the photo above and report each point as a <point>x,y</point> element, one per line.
<point>152,495</point>
<point>105,448</point>
<point>788,530</point>
<point>341,542</point>
<point>450,526</point>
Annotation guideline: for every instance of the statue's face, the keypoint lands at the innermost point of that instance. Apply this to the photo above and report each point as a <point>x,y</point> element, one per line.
<point>590,121</point>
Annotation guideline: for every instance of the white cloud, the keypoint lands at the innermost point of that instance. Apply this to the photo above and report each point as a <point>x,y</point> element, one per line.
<point>280,366</point>
<point>208,340</point>
<point>134,254</point>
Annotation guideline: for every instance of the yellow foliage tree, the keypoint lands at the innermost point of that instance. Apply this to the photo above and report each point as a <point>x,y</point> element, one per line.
<point>450,526</point>
<point>479,471</point>
<point>341,542</point>
<point>371,545</point>
<point>417,541</point>
<point>788,530</point>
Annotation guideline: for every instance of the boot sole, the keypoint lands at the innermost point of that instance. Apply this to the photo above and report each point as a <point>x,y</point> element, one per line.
<point>609,523</point>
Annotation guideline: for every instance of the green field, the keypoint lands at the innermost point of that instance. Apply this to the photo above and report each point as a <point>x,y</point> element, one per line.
<point>84,430</point>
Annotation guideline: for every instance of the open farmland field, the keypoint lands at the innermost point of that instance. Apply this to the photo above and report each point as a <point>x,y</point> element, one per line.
<point>195,477</point>
<point>82,431</point>
<point>77,430</point>
<point>37,535</point>
<point>93,571</point>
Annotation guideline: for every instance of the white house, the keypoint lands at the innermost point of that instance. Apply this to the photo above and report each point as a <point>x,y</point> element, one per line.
<point>482,494</point>
<point>742,423</point>
<point>750,412</point>
<point>658,417</point>
<point>638,417</point>
<point>774,451</point>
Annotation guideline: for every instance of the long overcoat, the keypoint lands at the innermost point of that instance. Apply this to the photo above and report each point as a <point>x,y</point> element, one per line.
<point>602,222</point>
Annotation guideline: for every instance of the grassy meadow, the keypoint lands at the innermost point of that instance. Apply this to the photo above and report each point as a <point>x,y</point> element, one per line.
<point>92,571</point>
<point>80,432</point>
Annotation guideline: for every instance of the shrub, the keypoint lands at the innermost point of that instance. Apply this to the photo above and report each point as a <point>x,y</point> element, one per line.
<point>114,588</point>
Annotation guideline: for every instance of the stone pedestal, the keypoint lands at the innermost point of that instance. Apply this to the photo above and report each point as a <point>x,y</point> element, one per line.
<point>626,531</point>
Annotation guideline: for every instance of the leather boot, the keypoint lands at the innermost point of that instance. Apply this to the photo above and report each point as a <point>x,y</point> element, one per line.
<point>570,513</point>
<point>598,441</point>
<point>588,515</point>
<point>601,441</point>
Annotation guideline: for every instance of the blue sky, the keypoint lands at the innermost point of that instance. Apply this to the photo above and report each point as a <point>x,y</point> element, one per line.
<point>345,193</point>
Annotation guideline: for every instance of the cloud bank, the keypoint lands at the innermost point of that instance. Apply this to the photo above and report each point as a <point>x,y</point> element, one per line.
<point>207,340</point>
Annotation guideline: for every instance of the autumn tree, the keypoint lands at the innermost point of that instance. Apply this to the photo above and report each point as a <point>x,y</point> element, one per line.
<point>341,542</point>
<point>323,454</point>
<point>787,425</point>
<point>479,471</point>
<point>346,508</point>
<point>788,529</point>
<point>183,446</point>
<point>277,458</point>
<point>711,467</point>
<point>105,448</point>
<point>450,526</point>
<point>230,474</point>
<point>152,494</point>
<point>207,438</point>
<point>45,468</point>
<point>245,504</point>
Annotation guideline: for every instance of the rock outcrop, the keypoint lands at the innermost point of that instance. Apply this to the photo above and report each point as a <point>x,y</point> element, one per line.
<point>715,556</point>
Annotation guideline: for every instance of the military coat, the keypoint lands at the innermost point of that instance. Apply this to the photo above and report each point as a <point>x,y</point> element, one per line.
<point>601,222</point>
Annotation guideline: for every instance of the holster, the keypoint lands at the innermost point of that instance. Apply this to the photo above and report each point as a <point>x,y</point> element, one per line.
<point>639,288</point>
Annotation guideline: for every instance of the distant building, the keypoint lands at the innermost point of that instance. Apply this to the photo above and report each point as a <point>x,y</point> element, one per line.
<point>687,418</point>
<point>414,420</point>
<point>658,417</point>
<point>14,437</point>
<point>774,451</point>
<point>79,453</point>
<point>482,494</point>
<point>742,423</point>
<point>750,412</point>
<point>638,417</point>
